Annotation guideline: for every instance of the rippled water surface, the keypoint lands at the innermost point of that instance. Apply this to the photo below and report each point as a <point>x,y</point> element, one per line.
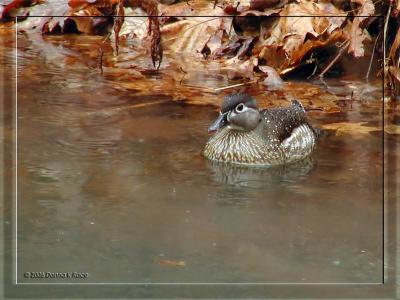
<point>113,183</point>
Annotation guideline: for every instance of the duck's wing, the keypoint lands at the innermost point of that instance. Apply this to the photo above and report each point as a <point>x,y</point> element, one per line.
<point>282,121</point>
<point>300,143</point>
<point>290,126</point>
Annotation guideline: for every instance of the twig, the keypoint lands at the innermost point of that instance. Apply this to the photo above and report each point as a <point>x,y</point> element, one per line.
<point>107,37</point>
<point>230,27</point>
<point>314,109</point>
<point>235,85</point>
<point>341,51</point>
<point>123,108</point>
<point>315,67</point>
<point>372,57</point>
<point>385,61</point>
<point>314,71</point>
<point>340,45</point>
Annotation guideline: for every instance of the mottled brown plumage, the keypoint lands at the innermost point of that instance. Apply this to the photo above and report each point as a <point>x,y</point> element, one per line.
<point>246,135</point>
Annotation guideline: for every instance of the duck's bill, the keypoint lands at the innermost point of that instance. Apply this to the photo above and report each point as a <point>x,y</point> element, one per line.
<point>220,122</point>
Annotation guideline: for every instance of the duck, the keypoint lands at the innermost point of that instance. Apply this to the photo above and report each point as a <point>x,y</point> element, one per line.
<point>249,136</point>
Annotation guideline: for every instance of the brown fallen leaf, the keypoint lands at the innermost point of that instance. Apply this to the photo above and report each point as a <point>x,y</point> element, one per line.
<point>309,45</point>
<point>394,76</point>
<point>214,43</point>
<point>311,97</point>
<point>273,80</point>
<point>262,6</point>
<point>345,128</point>
<point>40,17</point>
<point>396,11</point>
<point>191,33</point>
<point>395,72</point>
<point>185,36</point>
<point>171,262</point>
<point>136,27</point>
<point>356,33</point>
<point>86,16</point>
<point>246,47</point>
<point>237,68</point>
<point>9,7</point>
<point>257,13</point>
<point>359,129</point>
<point>392,129</point>
<point>229,49</point>
<point>78,4</point>
<point>395,46</point>
<point>94,21</point>
<point>285,42</point>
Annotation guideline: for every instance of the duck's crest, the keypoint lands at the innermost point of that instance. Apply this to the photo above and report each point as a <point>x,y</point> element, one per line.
<point>230,101</point>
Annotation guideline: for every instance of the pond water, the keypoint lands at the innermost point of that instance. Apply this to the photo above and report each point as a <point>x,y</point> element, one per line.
<point>112,183</point>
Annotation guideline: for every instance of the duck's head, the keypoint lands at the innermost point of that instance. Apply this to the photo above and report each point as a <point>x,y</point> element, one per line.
<point>238,112</point>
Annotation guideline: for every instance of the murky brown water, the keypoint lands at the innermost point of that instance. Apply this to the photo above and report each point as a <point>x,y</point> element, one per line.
<point>120,190</point>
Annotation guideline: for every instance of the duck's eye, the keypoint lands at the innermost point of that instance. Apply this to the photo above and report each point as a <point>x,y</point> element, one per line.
<point>239,108</point>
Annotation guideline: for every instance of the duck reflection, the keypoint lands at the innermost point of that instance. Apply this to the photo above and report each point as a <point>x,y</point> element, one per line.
<point>251,176</point>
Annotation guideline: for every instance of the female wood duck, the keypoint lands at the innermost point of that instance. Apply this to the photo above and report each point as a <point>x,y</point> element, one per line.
<point>246,135</point>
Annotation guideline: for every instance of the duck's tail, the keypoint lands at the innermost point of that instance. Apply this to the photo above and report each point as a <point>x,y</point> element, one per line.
<point>297,105</point>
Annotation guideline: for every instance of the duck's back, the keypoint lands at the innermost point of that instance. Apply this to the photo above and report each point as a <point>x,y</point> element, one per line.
<point>289,127</point>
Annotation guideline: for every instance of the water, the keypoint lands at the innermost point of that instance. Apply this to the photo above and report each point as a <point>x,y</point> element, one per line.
<point>111,182</point>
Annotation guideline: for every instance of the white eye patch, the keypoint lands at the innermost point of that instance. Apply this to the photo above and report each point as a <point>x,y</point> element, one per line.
<point>240,108</point>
